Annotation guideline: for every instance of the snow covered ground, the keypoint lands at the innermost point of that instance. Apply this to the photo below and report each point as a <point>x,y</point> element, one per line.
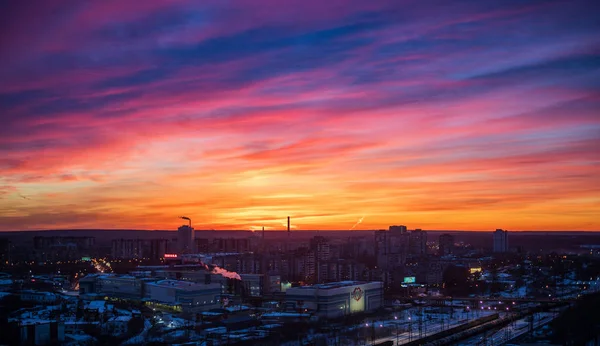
<point>509,332</point>
<point>416,325</point>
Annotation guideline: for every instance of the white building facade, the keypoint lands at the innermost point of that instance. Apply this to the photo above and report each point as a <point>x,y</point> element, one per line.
<point>336,299</point>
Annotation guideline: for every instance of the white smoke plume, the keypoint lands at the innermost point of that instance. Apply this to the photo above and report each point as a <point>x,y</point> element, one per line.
<point>226,273</point>
<point>223,272</point>
<point>358,222</point>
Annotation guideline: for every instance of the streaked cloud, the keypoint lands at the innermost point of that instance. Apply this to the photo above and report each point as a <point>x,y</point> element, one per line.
<point>460,115</point>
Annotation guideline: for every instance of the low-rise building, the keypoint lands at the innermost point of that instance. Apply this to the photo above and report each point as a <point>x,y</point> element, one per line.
<point>87,285</point>
<point>257,285</point>
<point>117,325</point>
<point>116,286</point>
<point>5,284</point>
<point>95,310</point>
<point>336,299</point>
<point>183,295</point>
<point>78,327</point>
<point>120,286</point>
<point>38,296</point>
<point>40,332</point>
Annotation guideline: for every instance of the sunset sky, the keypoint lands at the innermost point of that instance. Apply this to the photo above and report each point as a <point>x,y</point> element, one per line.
<point>465,115</point>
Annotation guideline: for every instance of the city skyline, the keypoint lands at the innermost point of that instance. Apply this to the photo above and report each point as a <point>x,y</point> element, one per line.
<point>342,115</point>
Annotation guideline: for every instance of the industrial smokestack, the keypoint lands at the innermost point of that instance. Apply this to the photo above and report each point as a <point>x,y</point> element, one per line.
<point>263,233</point>
<point>187,218</point>
<point>288,225</point>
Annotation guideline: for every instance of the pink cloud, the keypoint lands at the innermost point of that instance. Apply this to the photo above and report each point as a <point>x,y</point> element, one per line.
<point>128,112</point>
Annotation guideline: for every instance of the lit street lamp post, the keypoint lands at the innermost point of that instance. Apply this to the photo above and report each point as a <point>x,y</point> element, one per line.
<point>396,319</point>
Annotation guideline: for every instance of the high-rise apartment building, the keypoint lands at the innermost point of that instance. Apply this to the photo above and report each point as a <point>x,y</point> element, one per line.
<point>391,250</point>
<point>203,245</point>
<point>398,229</point>
<point>500,241</point>
<point>185,239</point>
<point>231,245</point>
<point>320,247</point>
<point>5,247</point>
<point>418,242</point>
<point>158,248</point>
<point>446,244</point>
<point>305,265</point>
<point>63,247</point>
<point>127,248</point>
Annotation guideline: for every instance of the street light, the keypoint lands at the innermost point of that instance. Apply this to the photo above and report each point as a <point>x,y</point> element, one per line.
<point>396,318</point>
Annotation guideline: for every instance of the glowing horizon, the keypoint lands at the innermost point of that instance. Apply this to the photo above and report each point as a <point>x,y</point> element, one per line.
<point>342,115</point>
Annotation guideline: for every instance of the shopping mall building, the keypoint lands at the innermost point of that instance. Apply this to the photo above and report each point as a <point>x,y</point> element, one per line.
<point>336,299</point>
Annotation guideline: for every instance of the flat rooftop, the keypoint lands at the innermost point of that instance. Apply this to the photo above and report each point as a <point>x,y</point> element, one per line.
<point>332,285</point>
<point>182,285</point>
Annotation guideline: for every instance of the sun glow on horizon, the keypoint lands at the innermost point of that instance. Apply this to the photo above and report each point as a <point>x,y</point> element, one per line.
<point>342,117</point>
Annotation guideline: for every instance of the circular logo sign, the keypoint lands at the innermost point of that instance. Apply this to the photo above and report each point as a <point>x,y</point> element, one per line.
<point>357,294</point>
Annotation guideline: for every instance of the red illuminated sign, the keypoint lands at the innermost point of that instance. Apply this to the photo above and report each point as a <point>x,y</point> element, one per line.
<point>171,255</point>
<point>357,294</point>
